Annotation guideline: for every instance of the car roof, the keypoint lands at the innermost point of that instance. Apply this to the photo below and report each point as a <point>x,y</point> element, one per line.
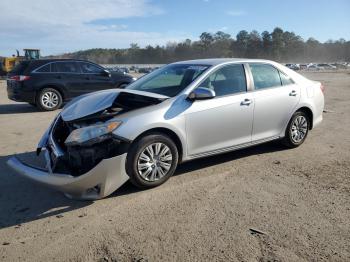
<point>30,65</point>
<point>218,61</point>
<point>47,60</point>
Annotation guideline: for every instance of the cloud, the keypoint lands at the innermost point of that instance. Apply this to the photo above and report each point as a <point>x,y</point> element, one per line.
<point>214,30</point>
<point>70,12</point>
<point>236,13</point>
<point>66,25</point>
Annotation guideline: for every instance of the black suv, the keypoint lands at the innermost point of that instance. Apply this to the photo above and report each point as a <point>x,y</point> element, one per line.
<point>49,83</point>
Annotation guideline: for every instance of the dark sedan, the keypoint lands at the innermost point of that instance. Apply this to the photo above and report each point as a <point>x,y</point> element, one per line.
<point>51,82</point>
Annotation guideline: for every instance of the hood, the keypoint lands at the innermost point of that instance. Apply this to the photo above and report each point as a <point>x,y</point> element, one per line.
<point>96,102</point>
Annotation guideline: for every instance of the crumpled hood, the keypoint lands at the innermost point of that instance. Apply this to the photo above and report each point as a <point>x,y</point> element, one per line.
<point>98,101</point>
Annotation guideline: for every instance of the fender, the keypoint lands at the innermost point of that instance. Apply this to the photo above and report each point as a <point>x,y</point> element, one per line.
<point>61,88</point>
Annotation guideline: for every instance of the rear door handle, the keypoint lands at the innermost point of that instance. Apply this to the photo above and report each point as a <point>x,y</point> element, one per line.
<point>293,93</point>
<point>246,102</point>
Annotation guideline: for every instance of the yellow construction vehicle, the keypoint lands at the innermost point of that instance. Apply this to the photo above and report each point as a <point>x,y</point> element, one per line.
<point>31,54</point>
<point>10,62</point>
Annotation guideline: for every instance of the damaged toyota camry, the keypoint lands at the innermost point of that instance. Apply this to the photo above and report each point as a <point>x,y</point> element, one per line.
<point>182,111</point>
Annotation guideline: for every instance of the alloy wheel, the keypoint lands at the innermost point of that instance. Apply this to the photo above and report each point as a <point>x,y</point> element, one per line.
<point>299,129</point>
<point>154,162</point>
<point>50,99</point>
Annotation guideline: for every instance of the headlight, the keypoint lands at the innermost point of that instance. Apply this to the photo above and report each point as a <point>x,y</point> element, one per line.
<point>134,78</point>
<point>91,134</point>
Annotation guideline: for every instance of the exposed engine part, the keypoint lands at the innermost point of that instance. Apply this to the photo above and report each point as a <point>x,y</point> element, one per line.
<point>80,159</point>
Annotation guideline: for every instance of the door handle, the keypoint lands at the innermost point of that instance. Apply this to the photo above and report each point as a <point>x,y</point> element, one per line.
<point>246,102</point>
<point>293,93</point>
<point>59,77</point>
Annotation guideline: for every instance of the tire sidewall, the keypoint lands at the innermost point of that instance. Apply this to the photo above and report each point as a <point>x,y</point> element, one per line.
<point>289,129</point>
<point>137,148</point>
<point>42,106</point>
<point>123,86</point>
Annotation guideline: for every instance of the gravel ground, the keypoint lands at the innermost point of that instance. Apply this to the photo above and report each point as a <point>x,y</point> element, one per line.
<point>298,201</point>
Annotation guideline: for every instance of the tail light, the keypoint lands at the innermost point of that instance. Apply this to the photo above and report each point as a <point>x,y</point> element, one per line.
<point>19,78</point>
<point>322,88</point>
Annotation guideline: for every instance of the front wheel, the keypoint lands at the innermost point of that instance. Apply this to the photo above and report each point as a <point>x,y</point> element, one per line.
<point>297,130</point>
<point>49,99</point>
<point>122,86</point>
<point>151,160</point>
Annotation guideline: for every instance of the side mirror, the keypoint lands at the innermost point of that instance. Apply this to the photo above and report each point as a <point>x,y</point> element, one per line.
<point>105,73</point>
<point>201,93</point>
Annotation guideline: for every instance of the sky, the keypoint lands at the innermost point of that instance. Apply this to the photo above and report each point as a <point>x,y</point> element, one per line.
<point>59,26</point>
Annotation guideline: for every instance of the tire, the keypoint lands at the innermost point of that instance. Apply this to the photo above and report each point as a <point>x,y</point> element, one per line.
<point>122,86</point>
<point>147,173</point>
<point>297,130</point>
<point>49,99</point>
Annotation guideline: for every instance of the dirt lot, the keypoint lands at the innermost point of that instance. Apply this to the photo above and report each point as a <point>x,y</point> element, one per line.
<point>299,198</point>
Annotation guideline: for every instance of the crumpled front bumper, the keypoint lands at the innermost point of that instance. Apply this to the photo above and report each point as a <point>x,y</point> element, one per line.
<point>99,182</point>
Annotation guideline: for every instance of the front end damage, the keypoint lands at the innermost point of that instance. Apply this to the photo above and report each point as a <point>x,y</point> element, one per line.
<point>89,169</point>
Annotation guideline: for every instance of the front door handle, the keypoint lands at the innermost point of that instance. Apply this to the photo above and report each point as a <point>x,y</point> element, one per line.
<point>246,102</point>
<point>293,93</point>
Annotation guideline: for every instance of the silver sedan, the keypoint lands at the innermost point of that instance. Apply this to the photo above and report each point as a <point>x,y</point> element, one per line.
<point>179,112</point>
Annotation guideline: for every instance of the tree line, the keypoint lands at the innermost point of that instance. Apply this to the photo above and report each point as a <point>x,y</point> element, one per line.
<point>279,45</point>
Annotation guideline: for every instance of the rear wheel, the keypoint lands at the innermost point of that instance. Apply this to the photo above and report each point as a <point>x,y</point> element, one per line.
<point>49,99</point>
<point>297,130</point>
<point>151,160</point>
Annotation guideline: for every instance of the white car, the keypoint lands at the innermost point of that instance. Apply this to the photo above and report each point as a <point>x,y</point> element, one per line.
<point>180,112</point>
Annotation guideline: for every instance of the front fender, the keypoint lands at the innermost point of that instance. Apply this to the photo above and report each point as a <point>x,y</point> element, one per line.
<point>131,129</point>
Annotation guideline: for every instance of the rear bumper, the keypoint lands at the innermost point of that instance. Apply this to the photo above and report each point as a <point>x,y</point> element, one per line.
<point>16,92</point>
<point>14,95</point>
<point>97,183</point>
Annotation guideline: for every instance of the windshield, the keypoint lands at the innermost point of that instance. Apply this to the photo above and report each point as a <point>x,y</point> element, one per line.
<point>169,80</point>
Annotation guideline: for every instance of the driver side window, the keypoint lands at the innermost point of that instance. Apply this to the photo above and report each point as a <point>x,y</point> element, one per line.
<point>227,80</point>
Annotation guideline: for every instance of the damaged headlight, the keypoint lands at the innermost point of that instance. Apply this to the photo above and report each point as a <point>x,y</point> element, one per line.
<point>91,134</point>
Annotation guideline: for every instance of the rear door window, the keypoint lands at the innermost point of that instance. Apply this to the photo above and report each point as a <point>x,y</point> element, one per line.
<point>286,80</point>
<point>65,67</point>
<point>265,76</point>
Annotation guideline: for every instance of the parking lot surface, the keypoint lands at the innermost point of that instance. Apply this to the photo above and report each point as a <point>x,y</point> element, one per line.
<point>264,203</point>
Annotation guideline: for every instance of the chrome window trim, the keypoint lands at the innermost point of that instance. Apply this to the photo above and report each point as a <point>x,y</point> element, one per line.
<point>81,73</point>
<point>207,72</point>
<point>42,66</point>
